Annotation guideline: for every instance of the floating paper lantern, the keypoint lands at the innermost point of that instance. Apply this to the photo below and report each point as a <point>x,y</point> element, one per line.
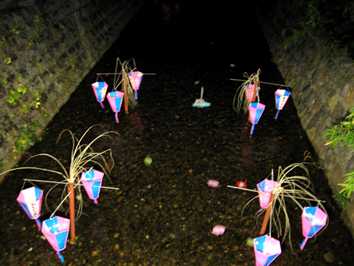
<point>266,250</point>
<point>92,181</point>
<point>135,80</point>
<point>255,111</point>
<point>100,90</point>
<point>313,220</point>
<point>56,231</point>
<point>115,99</point>
<point>30,200</point>
<point>281,97</point>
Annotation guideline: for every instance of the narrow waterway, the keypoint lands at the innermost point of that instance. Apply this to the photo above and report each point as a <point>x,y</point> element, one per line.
<point>164,213</point>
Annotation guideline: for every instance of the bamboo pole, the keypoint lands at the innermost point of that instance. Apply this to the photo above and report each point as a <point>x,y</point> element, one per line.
<point>72,213</point>
<point>125,92</point>
<point>266,216</point>
<point>263,82</point>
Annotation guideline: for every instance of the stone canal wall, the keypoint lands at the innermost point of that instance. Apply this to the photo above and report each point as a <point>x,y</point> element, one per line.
<point>46,49</point>
<point>322,89</point>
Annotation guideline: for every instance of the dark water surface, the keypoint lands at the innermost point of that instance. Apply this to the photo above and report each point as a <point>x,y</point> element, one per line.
<point>164,213</point>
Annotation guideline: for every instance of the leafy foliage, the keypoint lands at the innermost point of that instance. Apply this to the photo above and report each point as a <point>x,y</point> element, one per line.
<point>343,134</point>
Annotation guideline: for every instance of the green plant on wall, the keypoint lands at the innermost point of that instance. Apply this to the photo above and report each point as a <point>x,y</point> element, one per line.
<point>27,136</point>
<point>343,134</point>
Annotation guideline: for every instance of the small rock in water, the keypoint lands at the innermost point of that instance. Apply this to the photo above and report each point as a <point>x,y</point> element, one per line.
<point>213,183</point>
<point>218,230</point>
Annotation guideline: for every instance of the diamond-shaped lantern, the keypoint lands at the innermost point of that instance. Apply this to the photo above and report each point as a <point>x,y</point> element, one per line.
<point>30,200</point>
<point>100,90</point>
<point>92,181</point>
<point>255,112</point>
<point>56,231</point>
<point>313,220</point>
<point>135,80</point>
<point>115,99</point>
<point>266,250</point>
<point>281,97</point>
<point>265,189</point>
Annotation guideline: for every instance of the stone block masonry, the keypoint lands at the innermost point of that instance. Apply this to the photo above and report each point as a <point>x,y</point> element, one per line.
<point>322,90</point>
<point>46,49</point>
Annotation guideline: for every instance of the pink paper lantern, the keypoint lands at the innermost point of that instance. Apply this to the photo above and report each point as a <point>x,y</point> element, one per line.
<point>92,181</point>
<point>56,231</point>
<point>30,200</point>
<point>100,90</point>
<point>115,99</point>
<point>281,97</point>
<point>265,189</point>
<point>135,80</point>
<point>250,91</point>
<point>266,250</point>
<point>313,220</point>
<point>255,111</point>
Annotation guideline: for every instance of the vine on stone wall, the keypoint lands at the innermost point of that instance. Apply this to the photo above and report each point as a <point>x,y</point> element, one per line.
<point>23,98</point>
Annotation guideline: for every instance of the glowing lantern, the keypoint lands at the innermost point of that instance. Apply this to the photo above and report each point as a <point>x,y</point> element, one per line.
<point>30,200</point>
<point>266,250</point>
<point>255,111</point>
<point>56,231</point>
<point>281,97</point>
<point>100,90</point>
<point>115,99</point>
<point>92,181</point>
<point>313,220</point>
<point>135,80</point>
<point>251,93</point>
<point>265,189</point>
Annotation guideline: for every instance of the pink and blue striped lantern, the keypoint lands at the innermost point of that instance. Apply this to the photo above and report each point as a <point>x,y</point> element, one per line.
<point>265,189</point>
<point>313,220</point>
<point>135,80</point>
<point>30,200</point>
<point>92,181</point>
<point>100,90</point>
<point>250,91</point>
<point>115,99</point>
<point>255,112</point>
<point>56,231</point>
<point>266,250</point>
<point>281,97</point>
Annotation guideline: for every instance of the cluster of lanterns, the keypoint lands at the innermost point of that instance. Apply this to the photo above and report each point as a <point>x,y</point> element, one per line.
<point>266,248</point>
<point>256,109</point>
<point>56,229</point>
<point>115,98</point>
